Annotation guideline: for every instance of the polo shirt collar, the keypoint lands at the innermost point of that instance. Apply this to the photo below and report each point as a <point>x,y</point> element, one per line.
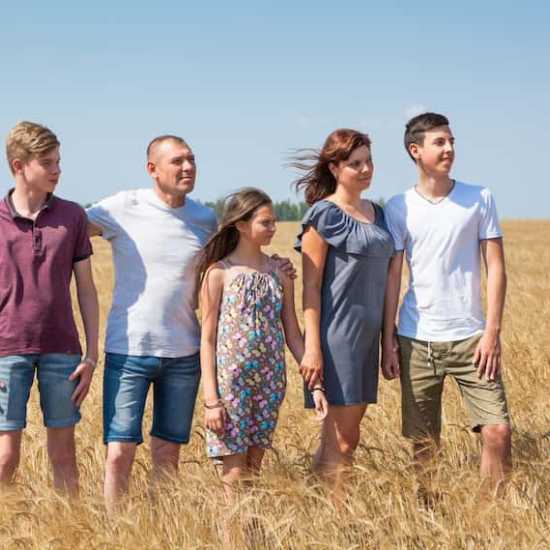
<point>13,212</point>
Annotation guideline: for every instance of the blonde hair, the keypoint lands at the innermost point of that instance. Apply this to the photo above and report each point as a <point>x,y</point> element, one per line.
<point>28,140</point>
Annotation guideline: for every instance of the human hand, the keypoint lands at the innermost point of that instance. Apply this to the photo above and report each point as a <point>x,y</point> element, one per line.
<point>390,357</point>
<point>311,368</point>
<point>321,403</point>
<point>487,356</point>
<point>285,265</point>
<point>214,418</point>
<point>84,372</point>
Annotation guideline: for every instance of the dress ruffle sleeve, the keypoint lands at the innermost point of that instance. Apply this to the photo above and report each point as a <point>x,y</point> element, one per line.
<point>339,230</point>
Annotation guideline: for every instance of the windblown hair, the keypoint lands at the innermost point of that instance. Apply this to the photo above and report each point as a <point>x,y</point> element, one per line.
<point>318,181</point>
<point>239,207</point>
<point>28,140</point>
<point>416,128</point>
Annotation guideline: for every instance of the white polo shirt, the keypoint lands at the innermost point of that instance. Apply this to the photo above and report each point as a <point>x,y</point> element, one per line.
<point>155,250</point>
<point>442,247</point>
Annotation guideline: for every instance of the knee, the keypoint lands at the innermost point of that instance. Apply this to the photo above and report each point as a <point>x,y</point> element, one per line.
<point>347,442</point>
<point>62,458</point>
<point>9,461</point>
<point>497,436</point>
<point>119,459</point>
<point>167,453</point>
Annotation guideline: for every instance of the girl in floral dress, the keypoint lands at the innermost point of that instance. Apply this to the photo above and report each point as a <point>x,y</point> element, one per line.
<point>247,309</point>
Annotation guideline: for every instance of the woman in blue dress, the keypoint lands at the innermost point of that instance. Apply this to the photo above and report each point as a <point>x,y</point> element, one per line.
<point>346,249</point>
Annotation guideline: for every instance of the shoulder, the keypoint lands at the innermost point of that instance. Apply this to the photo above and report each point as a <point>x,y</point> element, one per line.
<point>472,190</point>
<point>118,200</point>
<point>472,194</point>
<point>215,274</point>
<point>69,209</point>
<point>396,207</point>
<point>201,213</point>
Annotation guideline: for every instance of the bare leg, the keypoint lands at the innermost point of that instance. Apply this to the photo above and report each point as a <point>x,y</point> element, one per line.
<point>62,452</point>
<point>339,439</point>
<point>496,456</point>
<point>234,468</point>
<point>118,466</point>
<point>424,456</point>
<point>254,459</point>
<point>165,455</point>
<point>10,453</point>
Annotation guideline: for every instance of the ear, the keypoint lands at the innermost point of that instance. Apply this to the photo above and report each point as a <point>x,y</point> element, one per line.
<point>17,166</point>
<point>241,226</point>
<point>150,166</point>
<point>334,170</point>
<point>414,150</point>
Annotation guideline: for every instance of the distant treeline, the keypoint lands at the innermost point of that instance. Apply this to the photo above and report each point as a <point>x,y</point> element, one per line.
<point>285,211</point>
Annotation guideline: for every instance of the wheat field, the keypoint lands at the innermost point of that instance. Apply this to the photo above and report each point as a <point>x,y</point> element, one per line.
<point>286,508</point>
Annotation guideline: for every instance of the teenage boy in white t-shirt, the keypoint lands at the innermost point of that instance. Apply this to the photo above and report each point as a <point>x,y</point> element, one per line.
<point>444,227</point>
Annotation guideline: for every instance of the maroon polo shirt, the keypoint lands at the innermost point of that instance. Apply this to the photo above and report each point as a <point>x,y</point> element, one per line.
<point>36,264</point>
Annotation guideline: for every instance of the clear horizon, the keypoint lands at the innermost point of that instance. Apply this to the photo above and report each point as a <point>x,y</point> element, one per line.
<point>247,84</point>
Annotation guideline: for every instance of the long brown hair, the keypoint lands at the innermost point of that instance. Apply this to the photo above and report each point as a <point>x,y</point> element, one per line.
<point>239,207</point>
<point>318,181</point>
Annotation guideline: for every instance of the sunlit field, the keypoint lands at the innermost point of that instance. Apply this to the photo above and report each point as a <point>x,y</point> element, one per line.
<point>287,508</point>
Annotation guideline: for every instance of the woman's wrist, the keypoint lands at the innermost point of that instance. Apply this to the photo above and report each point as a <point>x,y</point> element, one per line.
<point>213,403</point>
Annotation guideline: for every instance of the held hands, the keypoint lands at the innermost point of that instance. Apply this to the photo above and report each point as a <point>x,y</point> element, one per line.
<point>311,369</point>
<point>84,372</point>
<point>390,357</point>
<point>215,416</point>
<point>487,356</point>
<point>321,403</point>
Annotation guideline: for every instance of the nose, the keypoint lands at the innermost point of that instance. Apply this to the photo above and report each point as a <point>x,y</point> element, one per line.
<point>449,147</point>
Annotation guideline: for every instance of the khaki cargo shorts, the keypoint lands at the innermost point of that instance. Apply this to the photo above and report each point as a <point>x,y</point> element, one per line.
<point>424,366</point>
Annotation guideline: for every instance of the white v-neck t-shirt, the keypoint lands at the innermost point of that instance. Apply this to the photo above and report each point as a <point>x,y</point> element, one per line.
<point>442,247</point>
<point>155,250</point>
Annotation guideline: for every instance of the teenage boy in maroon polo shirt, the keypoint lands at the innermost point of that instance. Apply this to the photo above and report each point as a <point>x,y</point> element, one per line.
<point>43,242</point>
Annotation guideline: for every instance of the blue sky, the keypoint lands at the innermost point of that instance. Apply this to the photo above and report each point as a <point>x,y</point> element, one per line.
<point>247,82</point>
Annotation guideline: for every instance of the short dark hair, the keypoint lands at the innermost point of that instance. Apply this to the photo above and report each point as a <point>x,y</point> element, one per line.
<point>417,127</point>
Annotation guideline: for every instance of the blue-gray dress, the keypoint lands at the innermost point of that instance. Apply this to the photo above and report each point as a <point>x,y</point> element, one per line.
<point>352,301</point>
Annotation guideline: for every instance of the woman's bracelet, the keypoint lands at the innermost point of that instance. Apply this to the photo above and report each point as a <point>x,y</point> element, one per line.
<point>318,388</point>
<point>215,405</point>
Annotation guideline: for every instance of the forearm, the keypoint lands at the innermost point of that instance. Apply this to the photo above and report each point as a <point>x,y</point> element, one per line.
<point>89,311</point>
<point>496,293</point>
<point>208,370</point>
<point>312,318</point>
<point>295,342</point>
<point>391,300</point>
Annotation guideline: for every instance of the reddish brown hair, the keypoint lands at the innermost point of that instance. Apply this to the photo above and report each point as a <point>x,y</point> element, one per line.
<point>318,181</point>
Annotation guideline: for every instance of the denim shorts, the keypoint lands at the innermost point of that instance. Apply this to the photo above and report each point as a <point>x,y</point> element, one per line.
<point>53,371</point>
<point>125,386</point>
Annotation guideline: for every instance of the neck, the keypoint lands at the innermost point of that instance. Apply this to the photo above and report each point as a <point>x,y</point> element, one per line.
<point>347,196</point>
<point>434,186</point>
<point>27,200</point>
<point>173,201</point>
<point>249,254</point>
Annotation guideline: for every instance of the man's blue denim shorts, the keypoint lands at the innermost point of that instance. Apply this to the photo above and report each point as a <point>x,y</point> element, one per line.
<point>125,386</point>
<point>53,371</point>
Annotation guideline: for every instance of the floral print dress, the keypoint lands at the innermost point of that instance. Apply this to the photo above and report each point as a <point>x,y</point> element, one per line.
<point>250,362</point>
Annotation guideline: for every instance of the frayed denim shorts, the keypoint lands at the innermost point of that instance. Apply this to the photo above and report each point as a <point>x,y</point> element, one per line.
<point>52,371</point>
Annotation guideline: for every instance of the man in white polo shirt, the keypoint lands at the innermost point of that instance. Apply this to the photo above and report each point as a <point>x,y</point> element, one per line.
<point>444,227</point>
